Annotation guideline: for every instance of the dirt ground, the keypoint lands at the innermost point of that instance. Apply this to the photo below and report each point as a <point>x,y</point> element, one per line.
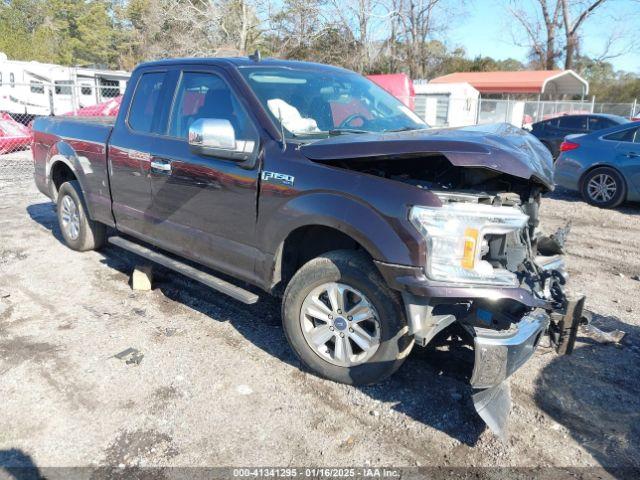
<point>218,384</point>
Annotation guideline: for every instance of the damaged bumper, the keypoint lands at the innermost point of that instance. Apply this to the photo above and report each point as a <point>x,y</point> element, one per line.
<point>498,354</point>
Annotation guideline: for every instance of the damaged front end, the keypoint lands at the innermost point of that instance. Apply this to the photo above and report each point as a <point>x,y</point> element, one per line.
<point>487,270</point>
<point>490,271</point>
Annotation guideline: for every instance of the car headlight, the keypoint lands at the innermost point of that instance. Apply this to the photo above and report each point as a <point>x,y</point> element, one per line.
<point>455,234</point>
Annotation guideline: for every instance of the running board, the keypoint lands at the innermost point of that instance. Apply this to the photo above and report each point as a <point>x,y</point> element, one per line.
<point>209,280</point>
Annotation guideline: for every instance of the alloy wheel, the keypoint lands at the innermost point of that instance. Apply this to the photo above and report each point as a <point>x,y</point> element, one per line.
<point>340,324</point>
<point>602,188</point>
<point>70,218</point>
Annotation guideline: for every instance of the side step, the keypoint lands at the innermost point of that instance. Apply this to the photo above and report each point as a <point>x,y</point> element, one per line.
<point>216,283</point>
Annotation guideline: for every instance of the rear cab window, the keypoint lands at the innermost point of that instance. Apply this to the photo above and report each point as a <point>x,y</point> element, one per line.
<point>146,103</point>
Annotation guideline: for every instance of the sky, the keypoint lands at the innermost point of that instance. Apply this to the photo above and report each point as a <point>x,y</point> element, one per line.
<point>486,29</point>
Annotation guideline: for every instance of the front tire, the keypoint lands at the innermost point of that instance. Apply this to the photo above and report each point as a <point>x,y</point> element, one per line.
<point>342,320</point>
<point>80,233</point>
<point>604,187</point>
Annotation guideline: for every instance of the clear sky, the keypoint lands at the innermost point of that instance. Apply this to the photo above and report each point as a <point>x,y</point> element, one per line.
<point>486,29</point>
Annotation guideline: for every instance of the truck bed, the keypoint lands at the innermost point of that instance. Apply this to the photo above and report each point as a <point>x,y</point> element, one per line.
<point>80,143</point>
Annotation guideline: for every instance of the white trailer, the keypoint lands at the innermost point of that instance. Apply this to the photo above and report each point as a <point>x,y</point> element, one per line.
<point>29,89</point>
<point>446,104</point>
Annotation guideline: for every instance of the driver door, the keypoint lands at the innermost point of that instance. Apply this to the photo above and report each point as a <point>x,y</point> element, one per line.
<point>204,206</point>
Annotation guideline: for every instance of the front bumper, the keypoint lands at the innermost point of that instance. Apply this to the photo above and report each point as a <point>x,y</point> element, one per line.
<point>500,353</point>
<point>413,281</point>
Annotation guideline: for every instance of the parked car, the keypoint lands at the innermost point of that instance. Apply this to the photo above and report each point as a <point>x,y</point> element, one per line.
<point>105,109</point>
<point>552,132</point>
<point>603,166</point>
<point>13,135</point>
<point>314,184</point>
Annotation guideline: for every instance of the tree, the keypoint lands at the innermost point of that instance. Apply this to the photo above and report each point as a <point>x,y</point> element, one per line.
<point>540,22</point>
<point>574,15</point>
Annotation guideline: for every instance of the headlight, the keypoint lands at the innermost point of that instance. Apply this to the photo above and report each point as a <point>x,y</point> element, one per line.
<point>455,234</point>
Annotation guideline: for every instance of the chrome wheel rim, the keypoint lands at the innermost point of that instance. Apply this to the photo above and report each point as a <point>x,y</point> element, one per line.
<point>340,324</point>
<point>70,218</point>
<point>602,188</point>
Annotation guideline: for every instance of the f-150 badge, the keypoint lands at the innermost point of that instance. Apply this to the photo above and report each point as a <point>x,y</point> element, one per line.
<point>279,178</point>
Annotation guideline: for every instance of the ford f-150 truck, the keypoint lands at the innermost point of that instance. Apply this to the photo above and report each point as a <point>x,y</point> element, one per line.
<point>314,184</point>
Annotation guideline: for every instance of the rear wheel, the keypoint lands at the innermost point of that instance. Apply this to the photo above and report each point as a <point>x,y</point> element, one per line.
<point>342,320</point>
<point>78,230</point>
<point>604,187</point>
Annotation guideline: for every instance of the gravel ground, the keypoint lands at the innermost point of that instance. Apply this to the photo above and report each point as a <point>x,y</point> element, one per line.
<point>218,384</point>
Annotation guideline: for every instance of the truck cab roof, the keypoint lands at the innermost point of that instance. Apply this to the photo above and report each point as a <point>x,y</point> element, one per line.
<point>239,62</point>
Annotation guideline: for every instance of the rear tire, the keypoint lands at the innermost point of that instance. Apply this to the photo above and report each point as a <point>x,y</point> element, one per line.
<point>80,233</point>
<point>374,337</point>
<point>603,187</point>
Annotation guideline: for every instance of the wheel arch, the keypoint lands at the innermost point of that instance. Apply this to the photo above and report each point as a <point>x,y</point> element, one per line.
<point>62,166</point>
<point>339,219</point>
<point>306,242</point>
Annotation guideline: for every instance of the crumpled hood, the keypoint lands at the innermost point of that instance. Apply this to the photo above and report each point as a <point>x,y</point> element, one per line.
<point>500,147</point>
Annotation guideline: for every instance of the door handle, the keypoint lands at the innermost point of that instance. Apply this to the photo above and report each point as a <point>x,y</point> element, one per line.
<point>633,155</point>
<point>162,165</point>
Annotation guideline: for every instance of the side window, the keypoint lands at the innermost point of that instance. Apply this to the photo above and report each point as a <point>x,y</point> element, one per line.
<point>631,135</point>
<point>37,87</point>
<point>573,123</point>
<point>206,95</point>
<point>599,123</point>
<point>12,80</point>
<point>145,103</point>
<point>553,123</point>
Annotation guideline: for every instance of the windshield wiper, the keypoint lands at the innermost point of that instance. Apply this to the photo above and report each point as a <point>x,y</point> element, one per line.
<point>345,131</point>
<point>402,129</point>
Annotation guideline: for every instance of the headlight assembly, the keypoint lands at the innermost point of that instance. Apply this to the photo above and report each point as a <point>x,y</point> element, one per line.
<point>455,234</point>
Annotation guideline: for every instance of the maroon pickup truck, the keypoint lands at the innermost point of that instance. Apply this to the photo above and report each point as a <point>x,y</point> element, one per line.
<point>314,184</point>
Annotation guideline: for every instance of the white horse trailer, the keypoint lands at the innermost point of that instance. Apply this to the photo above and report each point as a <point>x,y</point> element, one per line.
<point>29,89</point>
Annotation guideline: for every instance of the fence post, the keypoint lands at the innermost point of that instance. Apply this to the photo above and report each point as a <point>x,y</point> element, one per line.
<point>633,107</point>
<point>593,103</point>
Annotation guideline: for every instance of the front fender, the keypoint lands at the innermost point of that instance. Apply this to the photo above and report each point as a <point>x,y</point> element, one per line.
<point>386,239</point>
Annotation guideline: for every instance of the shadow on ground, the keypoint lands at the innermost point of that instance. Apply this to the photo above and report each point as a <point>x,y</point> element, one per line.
<point>595,395</point>
<point>18,465</point>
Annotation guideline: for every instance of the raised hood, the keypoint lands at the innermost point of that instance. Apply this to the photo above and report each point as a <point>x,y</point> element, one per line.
<point>500,147</point>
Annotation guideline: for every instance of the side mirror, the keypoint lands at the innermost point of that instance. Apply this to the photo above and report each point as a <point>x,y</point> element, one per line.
<point>217,138</point>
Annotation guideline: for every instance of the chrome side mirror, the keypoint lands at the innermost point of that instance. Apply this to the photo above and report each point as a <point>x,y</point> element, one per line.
<point>216,137</point>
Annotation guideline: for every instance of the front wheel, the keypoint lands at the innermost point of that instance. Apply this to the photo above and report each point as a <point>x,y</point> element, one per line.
<point>604,187</point>
<point>343,321</point>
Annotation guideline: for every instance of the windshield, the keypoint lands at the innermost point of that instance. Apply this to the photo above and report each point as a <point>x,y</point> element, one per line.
<point>310,103</point>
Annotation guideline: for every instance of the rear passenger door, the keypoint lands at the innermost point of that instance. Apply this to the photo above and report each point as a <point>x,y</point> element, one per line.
<point>129,146</point>
<point>204,206</point>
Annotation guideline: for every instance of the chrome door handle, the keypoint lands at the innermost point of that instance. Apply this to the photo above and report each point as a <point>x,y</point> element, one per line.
<point>162,165</point>
<point>633,155</point>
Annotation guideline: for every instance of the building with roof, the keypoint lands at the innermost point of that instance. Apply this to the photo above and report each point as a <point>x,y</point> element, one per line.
<point>519,97</point>
<point>544,83</point>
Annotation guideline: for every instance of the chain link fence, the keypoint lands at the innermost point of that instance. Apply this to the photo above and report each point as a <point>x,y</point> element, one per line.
<point>21,104</point>
<point>443,110</point>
